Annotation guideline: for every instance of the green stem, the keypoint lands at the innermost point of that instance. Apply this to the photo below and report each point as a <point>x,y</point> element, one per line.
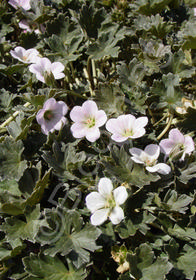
<point>166,128</point>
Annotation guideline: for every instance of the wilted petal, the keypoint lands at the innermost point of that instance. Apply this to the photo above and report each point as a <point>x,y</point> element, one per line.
<point>120,195</point>
<point>161,168</point>
<point>95,201</point>
<point>117,215</point>
<point>105,186</point>
<point>100,216</point>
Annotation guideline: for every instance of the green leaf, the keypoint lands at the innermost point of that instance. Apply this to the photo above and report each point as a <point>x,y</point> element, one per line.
<point>172,202</point>
<point>104,46</point>
<point>152,6</point>
<point>143,266</point>
<point>90,19</point>
<point>188,173</point>
<point>67,236</point>
<point>187,262</point>
<point>16,228</point>
<point>110,99</point>
<point>11,165</point>
<point>50,268</point>
<point>186,234</point>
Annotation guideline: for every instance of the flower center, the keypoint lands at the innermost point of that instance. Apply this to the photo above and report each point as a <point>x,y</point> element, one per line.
<point>128,132</point>
<point>48,115</point>
<point>110,202</point>
<point>90,122</point>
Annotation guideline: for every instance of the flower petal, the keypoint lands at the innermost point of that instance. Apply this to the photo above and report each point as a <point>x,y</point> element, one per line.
<point>152,150</point>
<point>92,134</point>
<point>105,186</point>
<point>89,108</point>
<point>176,136</point>
<point>117,215</point>
<point>120,195</point>
<point>189,145</point>
<point>101,118</point>
<point>161,168</point>
<point>78,130</point>
<point>100,216</point>
<point>95,201</point>
<point>166,146</point>
<point>77,114</point>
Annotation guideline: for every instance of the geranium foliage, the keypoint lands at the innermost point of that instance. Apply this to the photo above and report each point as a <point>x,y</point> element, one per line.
<point>97,139</point>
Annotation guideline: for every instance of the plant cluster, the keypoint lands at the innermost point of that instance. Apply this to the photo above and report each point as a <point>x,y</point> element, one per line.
<point>97,152</point>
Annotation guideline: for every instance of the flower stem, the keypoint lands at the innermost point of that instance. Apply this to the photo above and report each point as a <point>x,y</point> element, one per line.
<point>166,128</point>
<point>6,122</point>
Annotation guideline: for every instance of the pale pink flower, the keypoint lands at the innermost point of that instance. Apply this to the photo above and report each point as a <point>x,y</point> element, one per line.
<point>149,157</point>
<point>177,145</point>
<point>105,203</point>
<point>51,116</point>
<point>87,120</point>
<point>25,4</point>
<point>23,24</point>
<point>26,56</point>
<point>44,67</point>
<point>194,11</point>
<point>126,126</point>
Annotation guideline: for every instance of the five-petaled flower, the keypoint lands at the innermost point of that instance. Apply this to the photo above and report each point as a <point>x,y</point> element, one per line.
<point>149,157</point>
<point>126,126</point>
<point>87,120</point>
<point>51,117</point>
<point>177,145</point>
<point>105,203</point>
<point>44,67</point>
<point>26,56</point>
<point>25,4</point>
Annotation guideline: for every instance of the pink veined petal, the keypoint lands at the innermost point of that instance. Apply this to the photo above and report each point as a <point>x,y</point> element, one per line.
<point>63,107</point>
<point>59,76</point>
<point>57,67</point>
<point>49,104</point>
<point>135,152</point>
<point>189,144</point>
<point>126,122</point>
<point>35,68</point>
<point>93,134</point>
<point>95,201</point>
<point>78,130</point>
<point>101,118</point>
<point>137,133</point>
<point>113,126</point>
<point>166,146</point>
<point>161,168</point>
<point>176,136</point>
<point>137,160</point>
<point>59,124</point>
<point>89,108</point>
<point>25,4</point>
<point>141,122</point>
<point>40,116</point>
<point>119,138</point>
<point>117,215</point>
<point>152,150</point>
<point>99,216</point>
<point>120,195</point>
<point>77,114</point>
<point>105,186</point>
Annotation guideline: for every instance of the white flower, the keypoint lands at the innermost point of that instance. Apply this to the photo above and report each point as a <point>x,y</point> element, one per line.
<point>177,145</point>
<point>23,24</point>
<point>25,4</point>
<point>149,157</point>
<point>26,56</point>
<point>87,120</point>
<point>51,117</point>
<point>126,126</point>
<point>105,203</point>
<point>43,67</point>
